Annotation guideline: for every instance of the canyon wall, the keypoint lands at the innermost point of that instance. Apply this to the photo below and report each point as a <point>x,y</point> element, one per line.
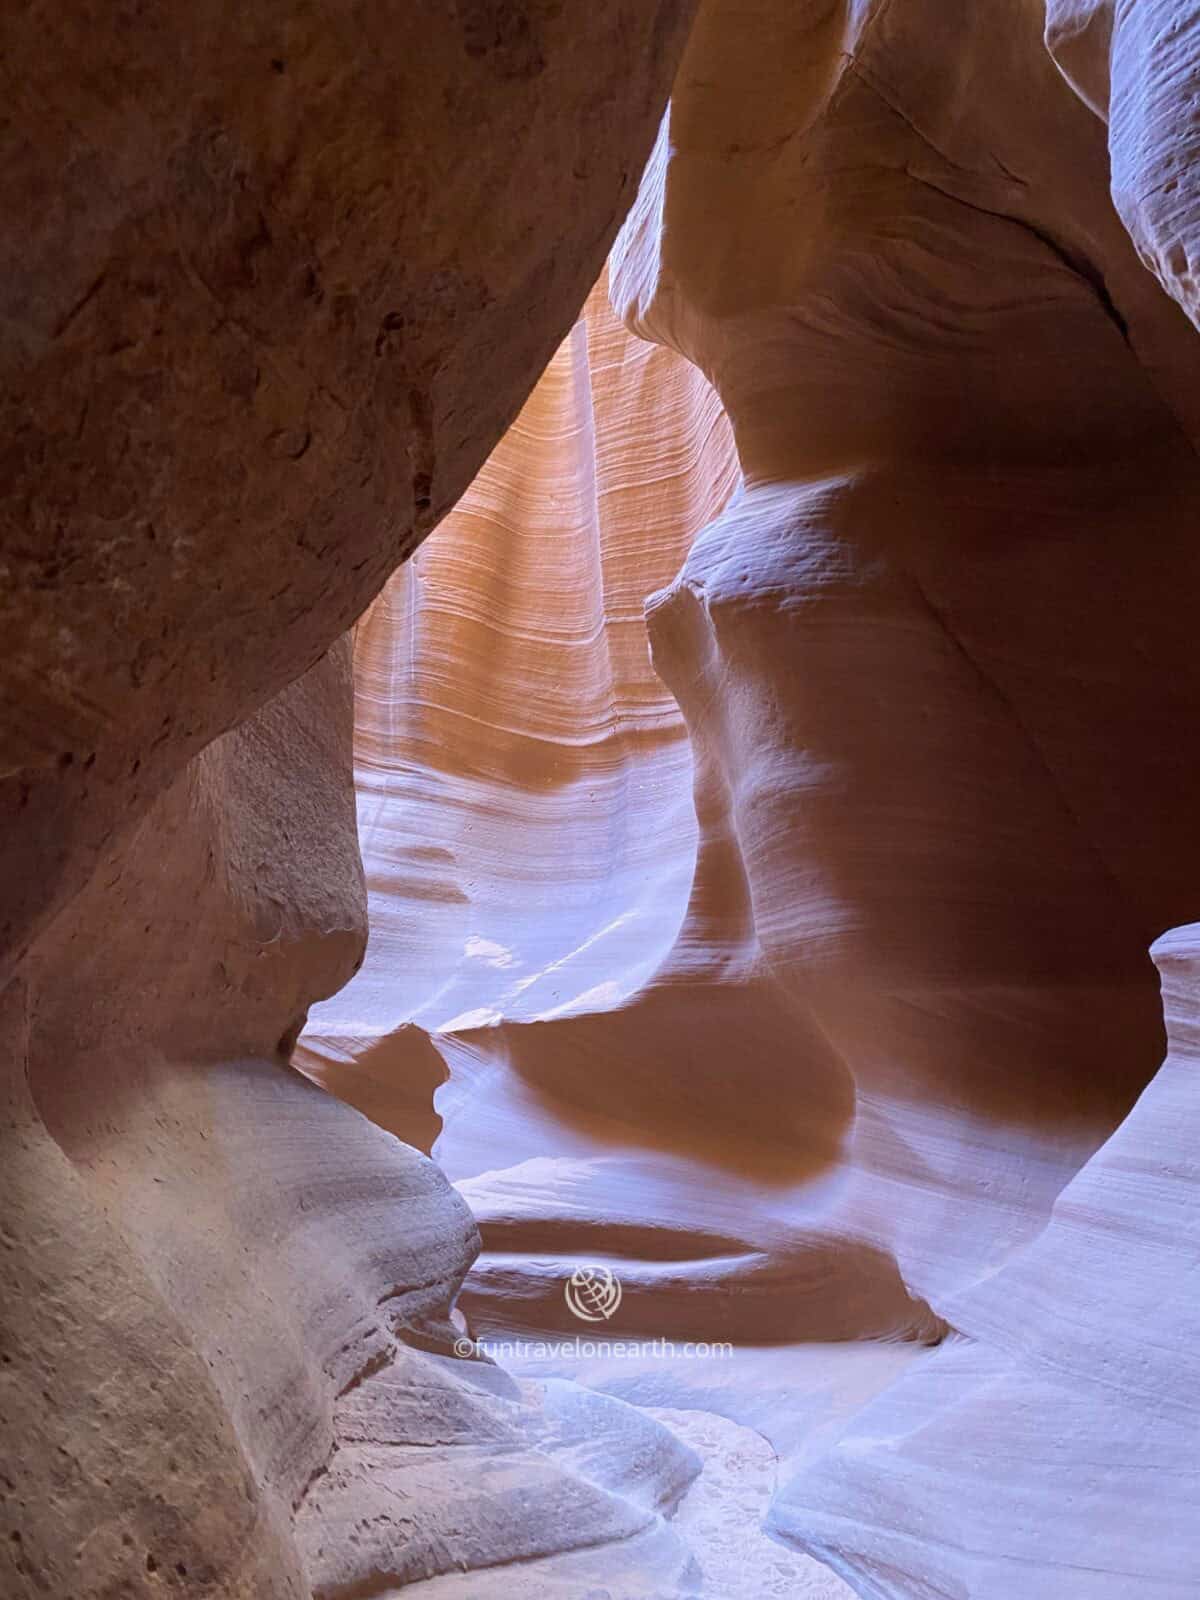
<point>948,601</point>
<point>273,285</point>
<point>1053,1443</point>
<point>524,776</point>
<point>228,1361</point>
<point>769,786</point>
<point>931,659</point>
<point>843,1058</point>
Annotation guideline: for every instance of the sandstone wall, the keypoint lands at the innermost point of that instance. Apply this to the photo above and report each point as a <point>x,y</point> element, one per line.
<point>935,657</point>
<point>770,783</point>
<point>274,282</point>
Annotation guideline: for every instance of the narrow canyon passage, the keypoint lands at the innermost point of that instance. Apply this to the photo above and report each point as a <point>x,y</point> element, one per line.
<point>560,998</point>
<point>600,890</point>
<point>745,771</point>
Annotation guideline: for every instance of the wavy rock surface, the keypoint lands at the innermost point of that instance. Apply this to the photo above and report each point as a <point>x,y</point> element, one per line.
<point>225,1297</point>
<point>872,1020</point>
<point>550,926</point>
<point>797,971</point>
<point>1138,66</point>
<point>1074,1398</point>
<point>518,845</point>
<point>273,284</point>
<point>838,1062</point>
<point>943,604</point>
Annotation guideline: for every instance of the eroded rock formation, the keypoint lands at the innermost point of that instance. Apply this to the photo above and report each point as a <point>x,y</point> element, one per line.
<point>935,660</point>
<point>1073,1399</point>
<point>274,283</point>
<point>943,601</point>
<point>227,1350</point>
<point>931,614</point>
<point>769,784</point>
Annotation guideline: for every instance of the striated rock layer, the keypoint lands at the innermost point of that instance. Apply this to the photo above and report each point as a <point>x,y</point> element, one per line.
<point>794,970</point>
<point>274,282</point>
<point>227,1361</point>
<point>1077,1404</point>
<point>878,1008</point>
<point>543,921</point>
<point>835,1059</point>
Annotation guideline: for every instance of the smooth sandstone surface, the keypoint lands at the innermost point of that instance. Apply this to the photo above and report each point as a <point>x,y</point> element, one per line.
<point>838,1058</point>
<point>226,1353</point>
<point>1073,1400</point>
<point>913,916</point>
<point>273,284</point>
<point>769,781</point>
<point>951,604</point>
<point>547,928</point>
<point>1138,66</point>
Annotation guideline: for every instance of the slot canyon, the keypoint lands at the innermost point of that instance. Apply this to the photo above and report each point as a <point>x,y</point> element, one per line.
<point>600,763</point>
